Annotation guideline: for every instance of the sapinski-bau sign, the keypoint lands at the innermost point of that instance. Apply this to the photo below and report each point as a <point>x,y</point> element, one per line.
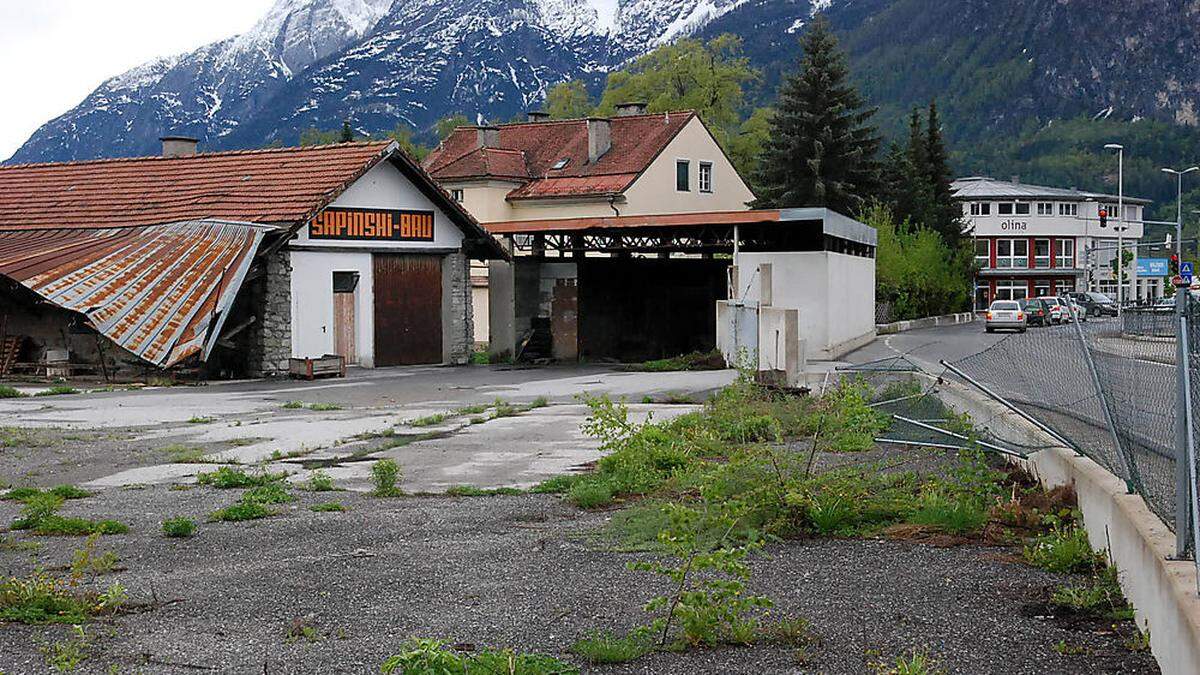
<point>372,225</point>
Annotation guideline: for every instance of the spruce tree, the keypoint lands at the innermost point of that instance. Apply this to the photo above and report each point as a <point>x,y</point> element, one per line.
<point>347,132</point>
<point>822,147</point>
<point>945,213</point>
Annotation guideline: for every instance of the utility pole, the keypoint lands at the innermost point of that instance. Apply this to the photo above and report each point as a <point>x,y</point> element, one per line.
<point>1120,220</point>
<point>1179,206</point>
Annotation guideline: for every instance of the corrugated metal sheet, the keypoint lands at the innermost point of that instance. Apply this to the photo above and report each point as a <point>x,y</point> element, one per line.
<point>160,291</point>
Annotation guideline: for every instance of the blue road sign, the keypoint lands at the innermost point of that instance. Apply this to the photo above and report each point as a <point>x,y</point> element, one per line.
<point>1153,267</point>
<point>1185,271</point>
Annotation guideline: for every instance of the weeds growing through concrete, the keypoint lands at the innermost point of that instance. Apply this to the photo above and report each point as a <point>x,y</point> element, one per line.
<point>179,528</point>
<point>385,474</point>
<point>319,481</point>
<point>240,511</point>
<point>10,392</point>
<point>1065,548</point>
<point>41,598</point>
<point>58,390</point>
<point>200,419</point>
<point>225,478</point>
<point>435,656</point>
<point>40,516</point>
<point>65,656</point>
<point>428,420</point>
<point>606,647</point>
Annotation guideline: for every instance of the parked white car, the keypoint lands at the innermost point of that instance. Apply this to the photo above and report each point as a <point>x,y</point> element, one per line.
<point>1005,315</point>
<point>1058,309</point>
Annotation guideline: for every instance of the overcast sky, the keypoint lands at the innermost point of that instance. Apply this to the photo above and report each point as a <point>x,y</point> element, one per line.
<point>53,53</point>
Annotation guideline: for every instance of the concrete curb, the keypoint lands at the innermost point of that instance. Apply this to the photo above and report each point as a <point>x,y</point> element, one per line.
<point>927,322</point>
<point>1163,591</point>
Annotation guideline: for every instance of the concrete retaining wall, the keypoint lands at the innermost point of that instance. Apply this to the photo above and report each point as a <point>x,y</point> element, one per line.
<point>1163,591</point>
<point>927,322</point>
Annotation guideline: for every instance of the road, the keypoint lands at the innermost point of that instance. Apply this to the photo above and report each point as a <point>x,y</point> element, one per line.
<point>926,347</point>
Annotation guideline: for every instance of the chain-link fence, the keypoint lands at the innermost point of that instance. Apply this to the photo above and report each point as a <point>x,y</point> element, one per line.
<point>1108,388</point>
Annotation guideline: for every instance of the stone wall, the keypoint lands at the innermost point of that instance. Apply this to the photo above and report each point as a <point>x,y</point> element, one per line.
<point>270,340</point>
<point>458,328</point>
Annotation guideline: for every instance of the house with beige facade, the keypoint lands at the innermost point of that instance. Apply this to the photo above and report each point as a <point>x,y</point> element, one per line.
<point>633,164</point>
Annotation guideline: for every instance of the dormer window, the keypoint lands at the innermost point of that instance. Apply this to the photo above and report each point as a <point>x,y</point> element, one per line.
<point>560,164</point>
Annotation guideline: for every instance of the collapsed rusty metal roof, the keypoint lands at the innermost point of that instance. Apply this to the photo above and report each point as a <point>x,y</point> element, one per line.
<point>160,291</point>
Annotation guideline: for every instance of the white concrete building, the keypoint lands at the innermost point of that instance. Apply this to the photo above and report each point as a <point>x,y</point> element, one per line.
<point>1033,240</point>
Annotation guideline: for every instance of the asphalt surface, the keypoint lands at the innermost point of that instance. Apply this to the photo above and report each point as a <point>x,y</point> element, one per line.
<point>520,572</point>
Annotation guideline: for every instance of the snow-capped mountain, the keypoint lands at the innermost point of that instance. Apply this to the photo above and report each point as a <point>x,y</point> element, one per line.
<point>379,63</point>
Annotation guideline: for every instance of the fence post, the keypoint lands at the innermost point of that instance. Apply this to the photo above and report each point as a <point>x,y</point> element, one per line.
<point>1182,417</point>
<point>1131,476</point>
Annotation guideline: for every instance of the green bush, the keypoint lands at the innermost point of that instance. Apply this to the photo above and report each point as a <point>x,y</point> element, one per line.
<point>179,527</point>
<point>10,392</point>
<point>41,598</point>
<point>69,492</point>
<point>240,511</point>
<point>385,473</point>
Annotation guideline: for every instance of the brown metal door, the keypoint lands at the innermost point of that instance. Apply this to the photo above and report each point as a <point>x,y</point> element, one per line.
<point>408,309</point>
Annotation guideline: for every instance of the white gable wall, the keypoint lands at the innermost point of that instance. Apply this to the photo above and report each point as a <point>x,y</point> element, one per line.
<point>314,262</point>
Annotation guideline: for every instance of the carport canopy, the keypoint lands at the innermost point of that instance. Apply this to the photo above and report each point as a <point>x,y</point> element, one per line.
<point>713,232</point>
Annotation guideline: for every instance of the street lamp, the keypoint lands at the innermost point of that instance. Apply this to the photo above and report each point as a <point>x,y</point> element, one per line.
<point>1120,220</point>
<point>1179,206</point>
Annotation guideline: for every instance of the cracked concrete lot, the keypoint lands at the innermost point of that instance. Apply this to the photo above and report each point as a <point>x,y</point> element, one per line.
<point>483,426</point>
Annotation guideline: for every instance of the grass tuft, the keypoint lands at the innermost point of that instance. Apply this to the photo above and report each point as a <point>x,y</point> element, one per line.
<point>10,392</point>
<point>605,647</point>
<point>179,527</point>
<point>225,478</point>
<point>240,511</point>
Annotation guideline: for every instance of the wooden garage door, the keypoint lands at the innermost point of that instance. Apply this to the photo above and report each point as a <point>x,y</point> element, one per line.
<point>408,309</point>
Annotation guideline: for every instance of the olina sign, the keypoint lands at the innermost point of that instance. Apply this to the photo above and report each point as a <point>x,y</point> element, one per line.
<point>371,225</point>
<point>1011,225</point>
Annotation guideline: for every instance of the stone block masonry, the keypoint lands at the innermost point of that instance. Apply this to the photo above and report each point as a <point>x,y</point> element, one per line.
<point>270,342</point>
<point>459,329</point>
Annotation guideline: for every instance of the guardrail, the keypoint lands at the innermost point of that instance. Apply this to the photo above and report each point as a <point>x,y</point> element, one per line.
<point>927,322</point>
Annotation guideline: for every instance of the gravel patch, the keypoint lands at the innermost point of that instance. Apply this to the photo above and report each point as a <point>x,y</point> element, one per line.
<point>515,572</point>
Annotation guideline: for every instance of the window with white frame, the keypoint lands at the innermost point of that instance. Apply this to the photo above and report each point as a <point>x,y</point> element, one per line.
<point>1045,209</point>
<point>1041,253</point>
<point>1022,208</point>
<point>981,208</point>
<point>1041,288</point>
<point>1012,253</point>
<point>983,253</point>
<point>1064,253</point>
<point>706,183</point>
<point>1068,209</point>
<point>1011,289</point>
<point>1004,208</point>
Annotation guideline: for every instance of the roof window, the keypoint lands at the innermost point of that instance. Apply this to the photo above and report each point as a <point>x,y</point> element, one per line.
<point>562,163</point>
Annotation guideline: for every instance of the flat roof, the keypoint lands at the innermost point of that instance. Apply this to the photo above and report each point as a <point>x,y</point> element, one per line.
<point>832,223</point>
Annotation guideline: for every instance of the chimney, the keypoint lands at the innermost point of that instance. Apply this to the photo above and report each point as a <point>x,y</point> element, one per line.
<point>631,108</point>
<point>537,116</point>
<point>599,138</point>
<point>178,146</point>
<point>487,137</point>
<point>1016,178</point>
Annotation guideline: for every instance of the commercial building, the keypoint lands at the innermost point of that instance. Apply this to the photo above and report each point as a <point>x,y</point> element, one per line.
<point>633,164</point>
<point>235,262</point>
<point>1033,240</point>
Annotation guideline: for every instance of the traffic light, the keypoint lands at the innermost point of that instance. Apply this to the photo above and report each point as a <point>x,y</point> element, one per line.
<point>1174,264</point>
<point>1103,217</point>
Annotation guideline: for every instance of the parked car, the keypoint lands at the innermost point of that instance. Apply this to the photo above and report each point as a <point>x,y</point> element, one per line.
<point>1095,304</point>
<point>1037,312</point>
<point>1163,305</point>
<point>1058,309</point>
<point>1076,308</point>
<point>1005,314</point>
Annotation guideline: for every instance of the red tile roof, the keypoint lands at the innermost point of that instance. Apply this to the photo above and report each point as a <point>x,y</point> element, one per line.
<point>648,221</point>
<point>636,141</point>
<point>283,186</point>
